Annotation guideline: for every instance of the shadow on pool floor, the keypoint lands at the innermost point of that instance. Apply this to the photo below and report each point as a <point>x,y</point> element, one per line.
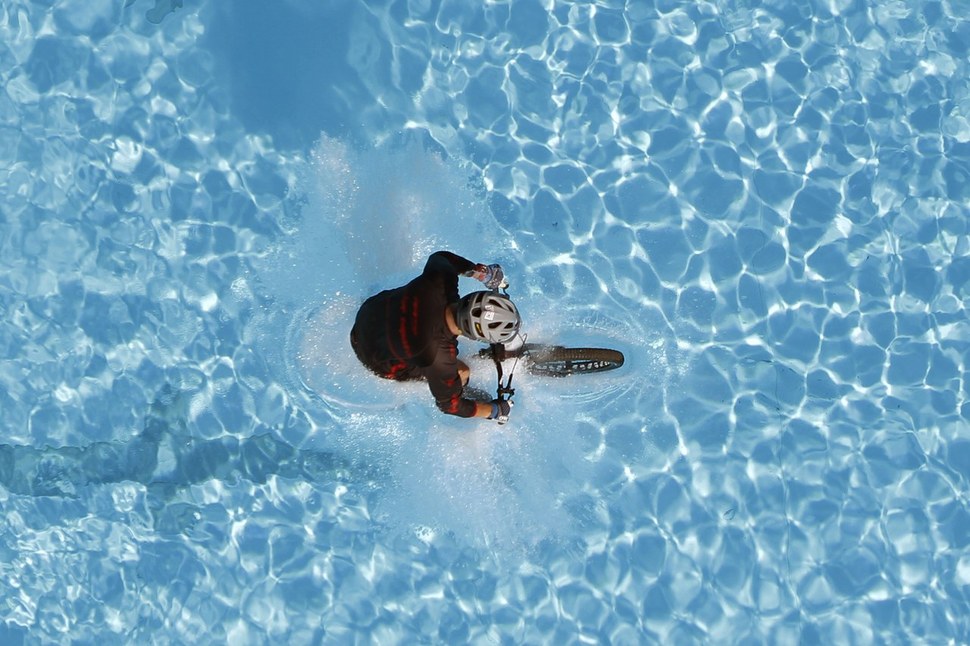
<point>64,471</point>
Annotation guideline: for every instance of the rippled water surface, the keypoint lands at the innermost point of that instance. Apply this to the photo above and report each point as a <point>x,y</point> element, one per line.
<point>764,205</point>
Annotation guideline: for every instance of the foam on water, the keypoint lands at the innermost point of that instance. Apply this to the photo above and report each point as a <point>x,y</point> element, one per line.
<point>369,221</point>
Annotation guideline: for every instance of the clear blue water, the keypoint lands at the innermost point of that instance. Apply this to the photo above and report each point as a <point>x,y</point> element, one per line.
<point>763,204</point>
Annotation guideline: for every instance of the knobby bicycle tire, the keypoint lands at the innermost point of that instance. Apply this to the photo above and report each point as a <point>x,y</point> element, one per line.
<point>557,361</point>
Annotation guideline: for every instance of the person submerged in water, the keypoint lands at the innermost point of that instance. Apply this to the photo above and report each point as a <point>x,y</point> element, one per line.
<point>411,332</point>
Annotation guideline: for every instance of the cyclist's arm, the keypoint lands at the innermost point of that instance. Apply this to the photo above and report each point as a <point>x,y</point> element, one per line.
<point>445,261</point>
<point>446,387</point>
<point>483,409</point>
<point>447,392</point>
<point>477,409</point>
<point>443,268</point>
<point>452,263</point>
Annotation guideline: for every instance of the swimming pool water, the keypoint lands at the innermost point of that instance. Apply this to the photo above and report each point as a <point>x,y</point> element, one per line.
<point>763,204</point>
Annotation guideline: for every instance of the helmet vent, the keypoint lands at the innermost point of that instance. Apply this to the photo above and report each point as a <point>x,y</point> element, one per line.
<point>488,317</point>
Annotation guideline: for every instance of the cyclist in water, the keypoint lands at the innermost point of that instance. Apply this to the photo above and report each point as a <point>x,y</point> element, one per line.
<point>412,332</point>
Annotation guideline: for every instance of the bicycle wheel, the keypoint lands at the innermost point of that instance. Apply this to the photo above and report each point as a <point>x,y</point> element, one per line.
<point>557,361</point>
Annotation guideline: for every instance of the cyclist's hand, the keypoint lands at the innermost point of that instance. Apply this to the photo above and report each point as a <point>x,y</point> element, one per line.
<point>494,277</point>
<point>500,410</point>
<point>478,273</point>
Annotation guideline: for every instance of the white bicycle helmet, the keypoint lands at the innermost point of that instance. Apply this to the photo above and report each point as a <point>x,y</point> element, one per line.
<point>489,317</point>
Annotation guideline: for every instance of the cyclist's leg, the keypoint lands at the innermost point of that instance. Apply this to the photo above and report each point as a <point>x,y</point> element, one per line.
<point>464,372</point>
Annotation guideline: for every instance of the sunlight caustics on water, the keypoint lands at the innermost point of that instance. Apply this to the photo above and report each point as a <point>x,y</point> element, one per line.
<point>762,204</point>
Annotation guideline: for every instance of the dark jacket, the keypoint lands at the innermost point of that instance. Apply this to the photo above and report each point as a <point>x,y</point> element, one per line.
<point>401,333</point>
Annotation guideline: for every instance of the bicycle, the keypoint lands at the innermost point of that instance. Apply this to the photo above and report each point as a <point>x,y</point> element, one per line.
<point>547,360</point>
